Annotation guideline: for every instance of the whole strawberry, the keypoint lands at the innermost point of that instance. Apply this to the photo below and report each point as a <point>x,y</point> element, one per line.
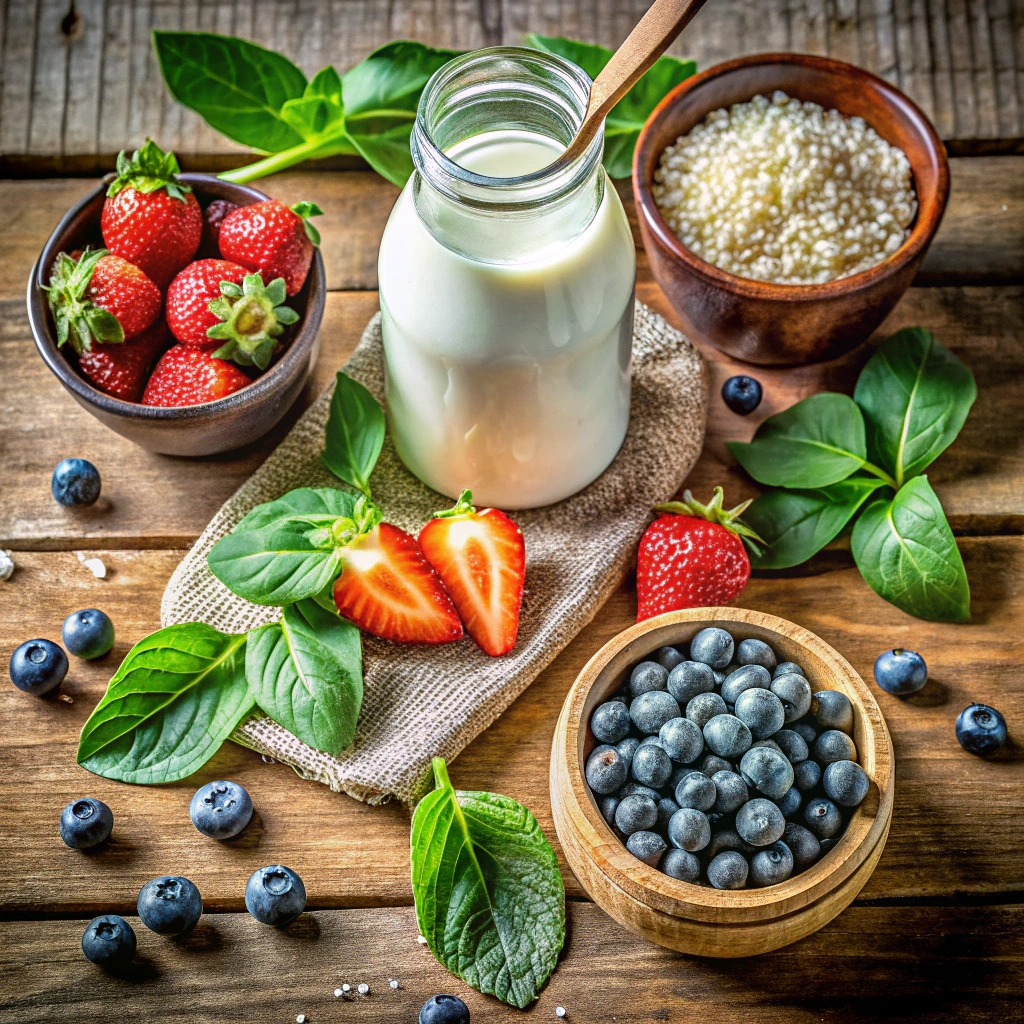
<point>100,297</point>
<point>692,556</point>
<point>192,376</point>
<point>271,238</point>
<point>120,370</point>
<point>190,294</point>
<point>149,217</point>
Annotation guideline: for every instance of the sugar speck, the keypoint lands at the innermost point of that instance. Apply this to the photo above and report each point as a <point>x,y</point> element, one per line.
<point>300,1019</point>
<point>338,993</point>
<point>364,989</point>
<point>393,982</point>
<point>421,939</point>
<point>6,565</point>
<point>559,1011</point>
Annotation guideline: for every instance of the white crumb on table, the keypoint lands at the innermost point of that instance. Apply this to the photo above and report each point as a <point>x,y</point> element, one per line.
<point>95,565</point>
<point>6,565</point>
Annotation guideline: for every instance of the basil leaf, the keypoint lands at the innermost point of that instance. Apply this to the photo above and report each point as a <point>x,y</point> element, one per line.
<point>320,109</point>
<point>916,396</point>
<point>905,550</point>
<point>305,671</point>
<point>797,524</point>
<point>237,87</point>
<point>489,895</point>
<point>302,503</point>
<point>177,696</point>
<point>355,433</point>
<point>814,443</point>
<point>627,118</point>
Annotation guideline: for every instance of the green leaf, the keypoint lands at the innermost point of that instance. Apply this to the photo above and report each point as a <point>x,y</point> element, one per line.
<point>627,118</point>
<point>489,895</point>
<point>302,503</point>
<point>905,550</point>
<point>355,433</point>
<point>305,671</point>
<point>915,395</point>
<point>797,524</point>
<point>177,696</point>
<point>320,109</point>
<point>237,87</point>
<point>814,443</point>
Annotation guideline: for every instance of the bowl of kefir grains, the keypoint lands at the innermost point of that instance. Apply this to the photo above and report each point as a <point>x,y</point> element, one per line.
<point>786,202</point>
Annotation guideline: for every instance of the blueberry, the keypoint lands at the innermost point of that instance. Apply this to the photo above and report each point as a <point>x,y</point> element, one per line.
<point>768,742</point>
<point>668,658</point>
<point>606,771</point>
<point>681,864</point>
<point>900,671</point>
<point>793,745</point>
<point>730,792</point>
<point>727,736</point>
<point>806,775</point>
<point>728,839</point>
<point>682,739</point>
<point>790,801</point>
<point>696,790</point>
<point>651,765</point>
<point>761,711</point>
<point>822,817</point>
<point>635,789</point>
<point>444,1010</point>
<point>767,771</point>
<point>646,846</point>
<point>834,745</point>
<point>833,710</point>
<point>827,844</point>
<point>607,806</point>
<point>610,722</point>
<point>719,677</point>
<point>742,394</point>
<point>220,809</point>
<point>650,711</point>
<point>275,895</point>
<point>805,729</point>
<point>760,822</point>
<point>689,829</point>
<point>785,668</point>
<point>846,783</point>
<point>795,693</point>
<point>980,729</point>
<point>803,844</point>
<point>169,905</point>
<point>75,482</point>
<point>771,865</point>
<point>636,813</point>
<point>688,679</point>
<point>38,666</point>
<point>646,677</point>
<point>627,748</point>
<point>704,707</point>
<point>712,764</point>
<point>755,652</point>
<point>108,940</point>
<point>88,634</point>
<point>85,823</point>
<point>713,647</point>
<point>746,677</point>
<point>728,870</point>
<point>666,808</point>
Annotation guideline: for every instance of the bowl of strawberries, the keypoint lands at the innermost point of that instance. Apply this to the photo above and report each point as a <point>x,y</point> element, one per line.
<point>181,310</point>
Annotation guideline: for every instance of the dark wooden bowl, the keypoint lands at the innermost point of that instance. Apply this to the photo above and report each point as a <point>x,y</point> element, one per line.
<point>785,324</point>
<point>194,430</point>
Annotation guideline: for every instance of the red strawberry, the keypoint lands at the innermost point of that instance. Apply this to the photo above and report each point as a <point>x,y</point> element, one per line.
<point>389,589</point>
<point>190,294</point>
<point>213,215</point>
<point>273,239</point>
<point>481,559</point>
<point>120,370</point>
<point>100,298</point>
<point>149,217</point>
<point>692,556</point>
<point>192,376</point>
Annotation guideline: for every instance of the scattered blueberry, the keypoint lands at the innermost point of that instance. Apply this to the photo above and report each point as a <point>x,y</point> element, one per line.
<point>651,764</point>
<point>727,736</point>
<point>803,844</point>
<point>636,813</point>
<point>444,1010</point>
<point>275,895</point>
<point>696,790</point>
<point>822,817</point>
<point>681,864</point>
<point>771,866</point>
<point>75,482</point>
<point>900,671</point>
<point>88,634</point>
<point>689,829</point>
<point>108,940</point>
<point>169,905</point>
<point>846,783</point>
<point>647,846</point>
<point>745,678</point>
<point>742,394</point>
<point>760,822</point>
<point>221,809</point>
<point>647,676</point>
<point>682,740</point>
<point>795,693</point>
<point>610,722</point>
<point>606,771</point>
<point>650,711</point>
<point>833,710</point>
<point>668,658</point>
<point>834,745</point>
<point>767,771</point>
<point>755,652</point>
<point>728,870</point>
<point>688,679</point>
<point>86,823</point>
<point>713,647</point>
<point>38,666</point>
<point>980,729</point>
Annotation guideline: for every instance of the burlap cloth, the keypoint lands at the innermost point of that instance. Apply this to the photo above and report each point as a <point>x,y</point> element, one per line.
<point>423,702</point>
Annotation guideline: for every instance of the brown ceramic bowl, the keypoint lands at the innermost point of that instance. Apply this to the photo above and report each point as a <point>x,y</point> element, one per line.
<point>784,324</point>
<point>207,429</point>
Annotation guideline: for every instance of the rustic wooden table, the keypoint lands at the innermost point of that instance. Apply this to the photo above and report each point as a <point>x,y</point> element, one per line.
<point>937,932</point>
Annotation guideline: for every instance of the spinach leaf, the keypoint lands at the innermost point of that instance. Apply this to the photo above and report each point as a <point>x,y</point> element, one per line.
<point>489,895</point>
<point>623,125</point>
<point>814,443</point>
<point>305,671</point>
<point>355,433</point>
<point>177,696</point>
<point>905,550</point>
<point>915,395</point>
<point>797,524</point>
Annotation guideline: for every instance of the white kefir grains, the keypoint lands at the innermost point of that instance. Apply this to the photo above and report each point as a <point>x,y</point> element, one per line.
<point>784,191</point>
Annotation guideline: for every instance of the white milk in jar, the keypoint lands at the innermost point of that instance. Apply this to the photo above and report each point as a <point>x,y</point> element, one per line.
<point>506,289</point>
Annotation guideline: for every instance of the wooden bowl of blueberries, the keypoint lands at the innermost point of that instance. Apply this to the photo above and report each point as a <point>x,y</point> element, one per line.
<point>721,781</point>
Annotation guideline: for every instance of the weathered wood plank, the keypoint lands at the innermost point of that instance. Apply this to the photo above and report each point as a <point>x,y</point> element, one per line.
<point>956,825</point>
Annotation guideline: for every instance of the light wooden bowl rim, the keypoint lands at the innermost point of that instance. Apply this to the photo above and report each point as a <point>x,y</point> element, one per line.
<point>826,669</point>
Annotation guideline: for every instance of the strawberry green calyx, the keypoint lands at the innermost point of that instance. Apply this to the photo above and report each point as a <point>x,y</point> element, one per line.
<point>78,320</point>
<point>365,516</point>
<point>305,210</point>
<point>463,507</point>
<point>714,512</point>
<point>149,170</point>
<point>253,318</point>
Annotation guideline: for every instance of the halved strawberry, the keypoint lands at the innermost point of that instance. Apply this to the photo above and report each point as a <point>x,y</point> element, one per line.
<point>388,588</point>
<point>481,559</point>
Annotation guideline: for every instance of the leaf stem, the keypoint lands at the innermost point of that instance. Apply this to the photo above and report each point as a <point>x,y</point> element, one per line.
<point>440,773</point>
<point>311,150</point>
<point>870,467</point>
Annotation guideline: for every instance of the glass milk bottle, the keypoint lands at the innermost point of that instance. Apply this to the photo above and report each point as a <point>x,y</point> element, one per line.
<point>506,288</point>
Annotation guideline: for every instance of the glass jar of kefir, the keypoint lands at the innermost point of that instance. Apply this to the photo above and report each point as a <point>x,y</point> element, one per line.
<point>506,288</point>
